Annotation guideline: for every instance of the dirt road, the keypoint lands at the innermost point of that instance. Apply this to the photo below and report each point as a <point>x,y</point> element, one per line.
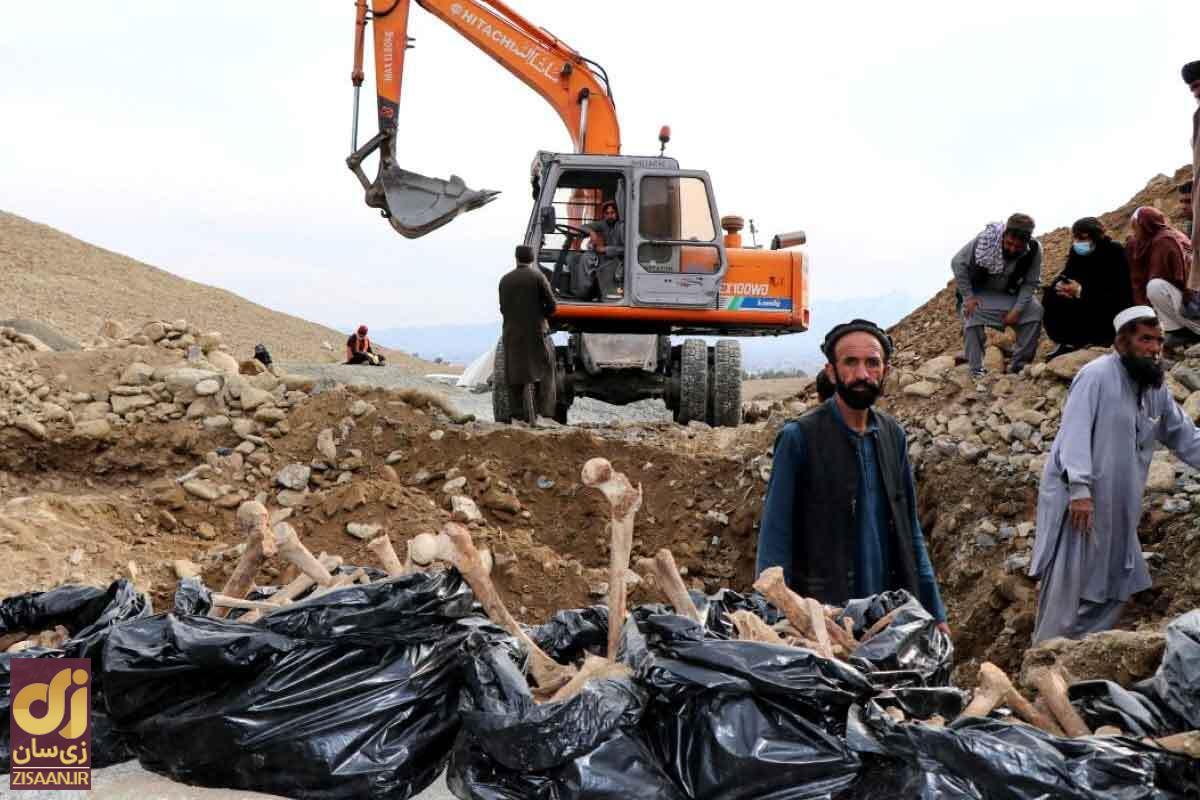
<point>584,410</point>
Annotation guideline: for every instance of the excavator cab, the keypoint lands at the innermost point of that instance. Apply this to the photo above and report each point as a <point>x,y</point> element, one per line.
<point>668,253</point>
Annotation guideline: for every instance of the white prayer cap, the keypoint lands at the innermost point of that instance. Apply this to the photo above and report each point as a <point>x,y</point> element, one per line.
<point>1132,313</point>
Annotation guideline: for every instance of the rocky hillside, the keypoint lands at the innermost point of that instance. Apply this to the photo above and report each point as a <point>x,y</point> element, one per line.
<point>933,329</point>
<point>978,449</point>
<point>74,287</point>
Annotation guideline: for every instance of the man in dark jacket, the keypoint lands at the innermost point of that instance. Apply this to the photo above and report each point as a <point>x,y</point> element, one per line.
<point>997,274</point>
<point>527,302</point>
<point>1092,289</point>
<point>840,515</point>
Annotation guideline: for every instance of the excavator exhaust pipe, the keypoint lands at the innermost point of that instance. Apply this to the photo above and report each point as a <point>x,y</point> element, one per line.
<point>414,204</point>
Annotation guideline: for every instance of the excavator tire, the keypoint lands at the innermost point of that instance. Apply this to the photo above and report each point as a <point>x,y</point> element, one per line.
<point>727,385</point>
<point>502,399</point>
<point>693,382</point>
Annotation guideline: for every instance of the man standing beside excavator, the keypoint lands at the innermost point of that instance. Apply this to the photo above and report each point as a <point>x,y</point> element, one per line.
<point>526,303</point>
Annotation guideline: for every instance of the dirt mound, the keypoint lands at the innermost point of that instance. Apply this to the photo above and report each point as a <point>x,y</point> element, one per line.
<point>162,495</point>
<point>74,287</point>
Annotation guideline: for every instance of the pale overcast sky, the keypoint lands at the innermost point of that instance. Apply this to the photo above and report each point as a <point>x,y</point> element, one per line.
<point>208,138</point>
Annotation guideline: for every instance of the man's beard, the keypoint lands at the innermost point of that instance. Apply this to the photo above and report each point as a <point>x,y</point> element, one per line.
<point>1009,255</point>
<point>1146,372</point>
<point>859,395</point>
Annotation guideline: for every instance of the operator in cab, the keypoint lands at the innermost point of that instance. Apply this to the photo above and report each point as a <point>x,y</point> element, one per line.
<point>360,351</point>
<point>608,242</point>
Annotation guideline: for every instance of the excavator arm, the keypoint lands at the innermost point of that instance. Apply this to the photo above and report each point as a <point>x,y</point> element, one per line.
<point>576,87</point>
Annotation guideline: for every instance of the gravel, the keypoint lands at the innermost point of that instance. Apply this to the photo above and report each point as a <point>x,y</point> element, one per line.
<point>583,410</point>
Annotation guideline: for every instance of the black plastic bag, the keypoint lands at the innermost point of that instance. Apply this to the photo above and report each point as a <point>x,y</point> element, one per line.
<point>88,613</point>
<point>587,747</point>
<point>350,694</point>
<point>738,720</point>
<point>1177,681</point>
<point>911,648</point>
<point>1106,703</point>
<point>979,757</point>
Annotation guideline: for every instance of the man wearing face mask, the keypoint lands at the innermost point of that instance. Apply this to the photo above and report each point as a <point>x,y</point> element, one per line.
<point>1092,289</point>
<point>1087,554</point>
<point>997,274</point>
<point>840,515</point>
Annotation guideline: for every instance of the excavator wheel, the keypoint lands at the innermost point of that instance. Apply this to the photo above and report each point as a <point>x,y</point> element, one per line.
<point>693,382</point>
<point>727,385</point>
<point>502,399</point>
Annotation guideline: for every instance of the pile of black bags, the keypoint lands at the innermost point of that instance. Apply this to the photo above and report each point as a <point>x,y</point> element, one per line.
<point>89,614</point>
<point>373,690</point>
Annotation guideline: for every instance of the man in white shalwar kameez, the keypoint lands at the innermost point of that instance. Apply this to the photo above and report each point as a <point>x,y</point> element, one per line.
<point>1087,553</point>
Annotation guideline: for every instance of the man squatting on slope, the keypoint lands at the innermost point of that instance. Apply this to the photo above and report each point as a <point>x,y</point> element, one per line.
<point>1087,554</point>
<point>840,515</point>
<point>996,275</point>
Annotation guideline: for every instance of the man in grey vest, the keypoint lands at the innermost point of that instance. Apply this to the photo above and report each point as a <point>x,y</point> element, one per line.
<point>840,515</point>
<point>997,275</point>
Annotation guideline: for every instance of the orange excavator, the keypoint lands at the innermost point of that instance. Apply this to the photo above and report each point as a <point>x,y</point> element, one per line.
<point>656,268</point>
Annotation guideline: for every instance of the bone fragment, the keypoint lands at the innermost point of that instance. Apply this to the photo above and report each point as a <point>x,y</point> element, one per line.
<point>599,474</point>
<point>993,687</point>
<point>252,518</point>
<point>880,625</point>
<point>594,668</point>
<point>547,673</point>
<point>771,585</point>
<point>426,548</point>
<point>750,627</point>
<point>993,679</point>
<point>1187,743</point>
<point>820,625</point>
<point>291,548</point>
<point>669,580</point>
<point>296,587</point>
<point>936,721</point>
<point>9,639</point>
<point>895,713</point>
<point>1050,685</point>
<point>381,546</point>
<point>227,602</point>
<point>338,582</point>
<point>1108,730</point>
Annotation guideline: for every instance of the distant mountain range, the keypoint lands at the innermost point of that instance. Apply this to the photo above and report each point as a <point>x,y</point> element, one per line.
<point>461,344</point>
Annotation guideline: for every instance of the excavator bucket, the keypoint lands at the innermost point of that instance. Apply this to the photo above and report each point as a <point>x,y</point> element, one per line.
<point>417,205</point>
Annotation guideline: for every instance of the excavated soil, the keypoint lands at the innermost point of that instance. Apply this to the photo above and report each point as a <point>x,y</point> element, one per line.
<point>82,511</point>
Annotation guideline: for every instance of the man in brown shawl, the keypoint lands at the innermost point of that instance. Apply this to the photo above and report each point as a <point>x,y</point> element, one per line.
<point>527,302</point>
<point>1160,261</point>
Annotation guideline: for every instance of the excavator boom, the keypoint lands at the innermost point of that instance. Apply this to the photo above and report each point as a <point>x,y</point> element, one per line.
<point>576,87</point>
